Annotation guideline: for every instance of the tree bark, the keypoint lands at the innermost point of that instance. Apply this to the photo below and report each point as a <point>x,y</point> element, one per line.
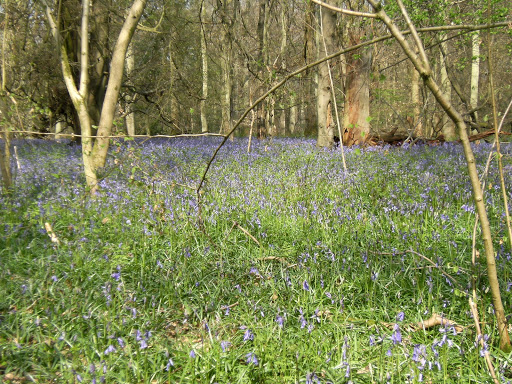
<point>475,72</point>
<point>310,113</point>
<point>204,62</point>
<point>228,22</point>
<point>5,153</point>
<point>114,83</point>
<point>356,118</point>
<point>448,127</point>
<point>417,125</point>
<point>262,123</point>
<point>324,101</point>
<point>130,112</point>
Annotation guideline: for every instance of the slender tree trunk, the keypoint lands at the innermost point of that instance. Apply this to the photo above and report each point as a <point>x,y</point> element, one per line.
<point>475,72</point>
<point>416,103</point>
<point>5,135</point>
<point>5,153</point>
<point>324,100</point>
<point>204,61</point>
<point>130,112</point>
<point>100,149</point>
<point>173,102</point>
<point>262,123</point>
<point>310,113</point>
<point>421,63</point>
<point>449,132</point>
<point>99,48</point>
<point>5,160</point>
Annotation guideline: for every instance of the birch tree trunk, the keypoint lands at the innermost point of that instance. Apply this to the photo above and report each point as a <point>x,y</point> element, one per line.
<point>130,112</point>
<point>475,73</point>
<point>324,98</point>
<point>204,62</point>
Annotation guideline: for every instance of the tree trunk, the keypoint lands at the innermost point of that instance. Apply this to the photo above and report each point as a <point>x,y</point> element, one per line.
<point>324,98</point>
<point>475,73</point>
<point>417,124</point>
<point>310,113</point>
<point>204,61</point>
<point>448,129</point>
<point>5,152</point>
<point>356,118</point>
<point>228,12</point>
<point>262,123</point>
<point>130,112</point>
<point>94,153</point>
<point>100,149</point>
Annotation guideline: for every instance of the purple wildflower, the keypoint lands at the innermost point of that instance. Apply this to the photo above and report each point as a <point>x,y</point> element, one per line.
<point>248,335</point>
<point>110,349</point>
<point>224,345</point>
<point>251,358</point>
<point>305,285</point>
<point>170,364</point>
<point>396,337</point>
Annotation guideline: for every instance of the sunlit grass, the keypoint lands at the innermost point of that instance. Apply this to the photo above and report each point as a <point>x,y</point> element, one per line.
<point>142,289</point>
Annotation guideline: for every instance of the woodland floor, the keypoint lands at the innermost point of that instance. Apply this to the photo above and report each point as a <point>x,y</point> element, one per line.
<point>290,269</point>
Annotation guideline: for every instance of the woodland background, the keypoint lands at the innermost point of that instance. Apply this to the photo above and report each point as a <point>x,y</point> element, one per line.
<point>195,66</point>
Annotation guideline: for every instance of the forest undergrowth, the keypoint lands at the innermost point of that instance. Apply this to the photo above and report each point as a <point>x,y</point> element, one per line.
<point>290,270</point>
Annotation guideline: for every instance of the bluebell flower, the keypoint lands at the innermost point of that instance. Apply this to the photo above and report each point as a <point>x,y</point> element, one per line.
<point>170,364</point>
<point>400,317</point>
<point>305,285</point>
<point>396,337</point>
<point>110,349</point>
<point>251,358</point>
<point>224,345</point>
<point>192,354</point>
<point>120,341</point>
<point>248,335</point>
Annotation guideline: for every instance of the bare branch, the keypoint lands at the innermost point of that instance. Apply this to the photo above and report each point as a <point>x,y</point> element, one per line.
<point>345,11</point>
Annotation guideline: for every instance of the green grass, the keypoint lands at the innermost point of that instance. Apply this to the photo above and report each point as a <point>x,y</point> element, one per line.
<point>139,280</point>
